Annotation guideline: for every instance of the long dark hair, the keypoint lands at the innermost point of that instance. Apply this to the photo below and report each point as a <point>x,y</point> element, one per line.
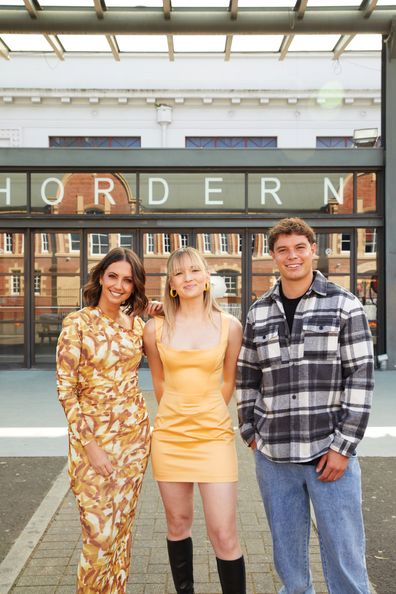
<point>137,301</point>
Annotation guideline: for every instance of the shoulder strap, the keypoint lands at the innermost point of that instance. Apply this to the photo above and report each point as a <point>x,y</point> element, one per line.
<point>159,322</point>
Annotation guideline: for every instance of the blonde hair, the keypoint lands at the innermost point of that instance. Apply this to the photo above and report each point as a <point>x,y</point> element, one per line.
<point>172,304</point>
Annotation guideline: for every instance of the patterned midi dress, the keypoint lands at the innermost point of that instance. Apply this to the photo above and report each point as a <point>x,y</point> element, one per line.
<point>97,362</point>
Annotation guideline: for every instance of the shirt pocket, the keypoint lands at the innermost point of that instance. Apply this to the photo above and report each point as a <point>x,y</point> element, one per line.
<point>321,338</point>
<point>268,347</point>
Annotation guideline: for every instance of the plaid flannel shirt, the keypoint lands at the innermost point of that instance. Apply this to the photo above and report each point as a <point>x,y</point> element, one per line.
<point>304,392</point>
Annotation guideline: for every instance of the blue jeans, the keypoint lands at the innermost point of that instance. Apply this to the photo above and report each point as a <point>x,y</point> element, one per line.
<point>286,490</point>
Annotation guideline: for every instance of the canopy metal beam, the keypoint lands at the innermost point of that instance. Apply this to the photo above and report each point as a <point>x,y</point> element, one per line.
<point>227,51</point>
<point>300,8</point>
<point>166,7</point>
<point>31,7</point>
<point>284,48</point>
<point>99,8</point>
<point>111,40</point>
<point>4,51</point>
<point>56,45</point>
<point>233,9</point>
<point>367,6</point>
<point>341,45</point>
<point>171,48</point>
<point>210,22</point>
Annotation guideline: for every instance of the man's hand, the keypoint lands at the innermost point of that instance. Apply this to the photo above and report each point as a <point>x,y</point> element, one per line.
<point>331,466</point>
<point>98,459</point>
<point>253,444</point>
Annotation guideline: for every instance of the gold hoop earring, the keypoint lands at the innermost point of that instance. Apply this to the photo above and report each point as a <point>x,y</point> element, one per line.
<point>173,293</point>
<point>207,286</point>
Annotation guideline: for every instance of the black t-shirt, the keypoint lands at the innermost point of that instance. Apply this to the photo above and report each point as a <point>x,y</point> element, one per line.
<point>290,306</point>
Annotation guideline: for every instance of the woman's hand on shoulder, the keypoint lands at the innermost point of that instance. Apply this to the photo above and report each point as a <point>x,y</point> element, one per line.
<point>154,308</point>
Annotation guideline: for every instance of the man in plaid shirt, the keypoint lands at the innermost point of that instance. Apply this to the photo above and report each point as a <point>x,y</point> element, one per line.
<point>304,389</point>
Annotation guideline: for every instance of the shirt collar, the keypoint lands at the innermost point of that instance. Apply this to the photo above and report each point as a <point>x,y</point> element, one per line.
<point>319,286</point>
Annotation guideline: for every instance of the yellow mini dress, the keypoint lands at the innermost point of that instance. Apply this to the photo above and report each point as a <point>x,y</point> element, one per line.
<point>193,439</point>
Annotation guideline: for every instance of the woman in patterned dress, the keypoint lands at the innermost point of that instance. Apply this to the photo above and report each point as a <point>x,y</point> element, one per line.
<point>98,355</point>
<point>192,355</point>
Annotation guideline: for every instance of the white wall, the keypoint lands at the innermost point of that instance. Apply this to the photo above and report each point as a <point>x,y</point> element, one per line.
<point>296,99</point>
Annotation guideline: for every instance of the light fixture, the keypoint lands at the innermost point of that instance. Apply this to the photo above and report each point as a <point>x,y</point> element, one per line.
<point>365,137</point>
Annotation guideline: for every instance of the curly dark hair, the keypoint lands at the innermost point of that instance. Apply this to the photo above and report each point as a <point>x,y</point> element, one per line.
<point>291,226</point>
<point>137,301</point>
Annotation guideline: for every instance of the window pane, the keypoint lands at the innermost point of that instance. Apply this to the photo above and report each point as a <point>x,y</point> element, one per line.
<point>327,193</point>
<point>155,260</point>
<point>261,284</point>
<point>99,244</point>
<point>94,142</point>
<point>13,193</point>
<point>194,192</point>
<point>262,262</point>
<point>224,262</point>
<point>366,192</point>
<point>126,240</point>
<point>56,287</point>
<point>206,242</point>
<point>74,242</point>
<point>83,193</point>
<point>231,142</point>
<point>166,243</point>
<point>334,142</point>
<point>149,243</point>
<point>367,251</point>
<point>333,255</point>
<point>367,290</point>
<point>11,298</point>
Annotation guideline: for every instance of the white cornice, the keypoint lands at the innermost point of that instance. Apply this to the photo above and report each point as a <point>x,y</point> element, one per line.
<point>178,97</point>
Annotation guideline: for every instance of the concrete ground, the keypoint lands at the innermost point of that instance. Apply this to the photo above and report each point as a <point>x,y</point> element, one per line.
<point>40,535</point>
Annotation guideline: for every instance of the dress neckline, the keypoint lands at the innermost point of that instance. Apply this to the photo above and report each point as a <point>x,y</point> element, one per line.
<point>115,321</point>
<point>216,346</point>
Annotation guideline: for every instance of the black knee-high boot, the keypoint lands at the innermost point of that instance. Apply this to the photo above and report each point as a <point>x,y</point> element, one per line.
<point>232,575</point>
<point>181,561</point>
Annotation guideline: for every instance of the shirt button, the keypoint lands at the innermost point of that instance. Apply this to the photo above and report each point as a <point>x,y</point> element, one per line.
<point>294,396</point>
<point>320,327</point>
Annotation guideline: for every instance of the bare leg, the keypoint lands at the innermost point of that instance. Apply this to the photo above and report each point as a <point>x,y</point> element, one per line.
<point>219,503</point>
<point>178,503</point>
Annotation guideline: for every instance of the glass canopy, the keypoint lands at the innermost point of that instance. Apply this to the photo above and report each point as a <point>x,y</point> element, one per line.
<point>192,40</point>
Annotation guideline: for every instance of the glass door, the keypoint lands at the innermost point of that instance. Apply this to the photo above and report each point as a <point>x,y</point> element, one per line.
<point>56,287</point>
<point>60,266</point>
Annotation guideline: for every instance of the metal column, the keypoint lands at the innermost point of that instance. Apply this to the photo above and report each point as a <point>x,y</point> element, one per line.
<point>390,202</point>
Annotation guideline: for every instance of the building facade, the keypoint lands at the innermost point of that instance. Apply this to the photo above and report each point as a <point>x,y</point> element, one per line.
<point>211,160</point>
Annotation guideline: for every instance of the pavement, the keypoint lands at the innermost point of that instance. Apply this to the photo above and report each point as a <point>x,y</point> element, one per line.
<point>40,531</point>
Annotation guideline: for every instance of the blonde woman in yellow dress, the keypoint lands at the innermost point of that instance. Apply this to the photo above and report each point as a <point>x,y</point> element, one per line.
<point>192,355</point>
<point>98,355</point>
